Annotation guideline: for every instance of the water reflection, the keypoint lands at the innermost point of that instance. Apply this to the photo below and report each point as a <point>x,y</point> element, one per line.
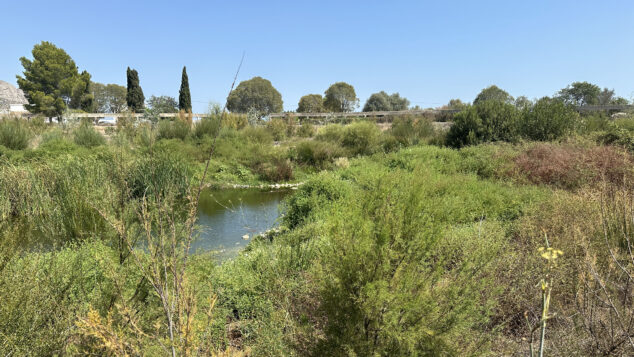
<point>227,215</point>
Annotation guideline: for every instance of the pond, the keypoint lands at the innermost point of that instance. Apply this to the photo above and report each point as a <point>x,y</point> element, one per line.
<point>225,216</point>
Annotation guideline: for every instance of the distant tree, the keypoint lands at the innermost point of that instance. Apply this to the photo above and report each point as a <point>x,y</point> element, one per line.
<point>108,98</point>
<point>493,93</point>
<point>256,94</point>
<point>184,97</point>
<point>398,103</point>
<point>456,104</point>
<point>607,97</point>
<point>341,97</point>
<point>81,95</point>
<point>311,103</point>
<point>163,104</point>
<point>620,101</point>
<point>51,81</point>
<point>378,102</point>
<point>580,93</point>
<point>134,97</point>
<point>381,101</point>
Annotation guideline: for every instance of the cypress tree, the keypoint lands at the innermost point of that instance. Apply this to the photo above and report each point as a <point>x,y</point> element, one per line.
<point>184,97</point>
<point>134,98</point>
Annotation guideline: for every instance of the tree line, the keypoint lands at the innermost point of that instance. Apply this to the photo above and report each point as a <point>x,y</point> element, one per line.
<point>52,84</point>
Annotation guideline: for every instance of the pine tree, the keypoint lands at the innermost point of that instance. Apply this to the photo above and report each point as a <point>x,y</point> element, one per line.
<point>184,97</point>
<point>135,96</point>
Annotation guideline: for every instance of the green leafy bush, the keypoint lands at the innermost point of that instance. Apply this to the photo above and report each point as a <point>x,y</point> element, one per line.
<point>312,195</point>
<point>331,132</point>
<point>548,119</point>
<point>362,138</point>
<point>489,121</point>
<point>317,153</point>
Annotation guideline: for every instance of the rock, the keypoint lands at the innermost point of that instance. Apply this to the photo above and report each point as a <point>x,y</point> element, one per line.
<point>245,237</point>
<point>619,115</point>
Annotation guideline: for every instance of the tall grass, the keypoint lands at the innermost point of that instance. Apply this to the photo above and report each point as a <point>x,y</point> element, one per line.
<point>14,133</point>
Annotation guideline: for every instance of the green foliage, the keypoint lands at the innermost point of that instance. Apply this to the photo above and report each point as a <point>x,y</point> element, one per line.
<point>491,120</point>
<point>341,97</point>
<point>383,102</point>
<point>388,282</point>
<point>256,93</point>
<point>493,93</point>
<point>580,93</point>
<point>51,76</point>
<point>548,119</point>
<point>317,153</point>
<point>44,293</point>
<point>173,129</point>
<point>362,138</point>
<point>378,102</point>
<point>278,128</point>
<point>331,132</point>
<point>14,134</point>
<point>257,135</point>
<point>409,131</point>
<point>184,97</point>
<point>311,103</point>
<point>87,136</point>
<point>162,104</point>
<point>108,98</point>
<point>207,126</point>
<point>134,97</point>
<point>306,130</point>
<point>158,175</point>
<point>319,192</point>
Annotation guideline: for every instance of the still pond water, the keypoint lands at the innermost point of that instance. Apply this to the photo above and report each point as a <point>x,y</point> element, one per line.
<point>225,216</point>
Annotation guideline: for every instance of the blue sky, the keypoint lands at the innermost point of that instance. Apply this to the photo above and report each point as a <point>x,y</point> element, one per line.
<point>427,51</point>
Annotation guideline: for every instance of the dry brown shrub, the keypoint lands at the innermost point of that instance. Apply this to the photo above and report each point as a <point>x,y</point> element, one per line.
<point>571,166</point>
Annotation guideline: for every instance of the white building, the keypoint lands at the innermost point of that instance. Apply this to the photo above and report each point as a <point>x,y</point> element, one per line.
<point>12,99</point>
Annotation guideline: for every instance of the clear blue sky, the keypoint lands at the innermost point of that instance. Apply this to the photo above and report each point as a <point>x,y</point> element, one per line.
<point>427,51</point>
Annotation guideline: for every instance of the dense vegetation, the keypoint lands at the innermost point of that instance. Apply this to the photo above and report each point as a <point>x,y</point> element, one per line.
<point>510,230</point>
<point>394,245</point>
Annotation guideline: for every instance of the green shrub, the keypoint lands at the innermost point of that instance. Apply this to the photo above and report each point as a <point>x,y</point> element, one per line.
<point>259,135</point>
<point>87,136</point>
<point>317,153</point>
<point>14,134</point>
<point>489,121</point>
<point>314,194</point>
<point>278,128</point>
<point>173,129</point>
<point>409,131</point>
<point>306,130</point>
<point>548,119</point>
<point>207,126</point>
<point>161,174</point>
<point>331,132</point>
<point>52,136</point>
<point>362,138</point>
<point>276,170</point>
